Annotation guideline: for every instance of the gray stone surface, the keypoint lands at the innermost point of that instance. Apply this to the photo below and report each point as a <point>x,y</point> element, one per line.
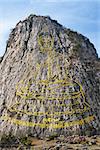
<point>69,56</point>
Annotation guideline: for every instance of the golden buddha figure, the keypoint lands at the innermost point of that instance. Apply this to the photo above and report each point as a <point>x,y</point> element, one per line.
<point>52,95</point>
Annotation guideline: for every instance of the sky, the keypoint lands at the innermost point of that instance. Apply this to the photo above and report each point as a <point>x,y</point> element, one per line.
<point>82,16</point>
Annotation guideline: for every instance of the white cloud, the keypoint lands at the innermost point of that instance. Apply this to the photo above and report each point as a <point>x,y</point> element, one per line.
<point>5,27</point>
<point>2,38</point>
<point>11,1</point>
<point>2,27</point>
<point>56,1</point>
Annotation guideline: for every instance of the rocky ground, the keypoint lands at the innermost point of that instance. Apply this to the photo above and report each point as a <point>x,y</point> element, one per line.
<point>56,143</point>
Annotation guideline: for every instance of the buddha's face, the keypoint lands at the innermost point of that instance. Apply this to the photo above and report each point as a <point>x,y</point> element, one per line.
<point>45,42</point>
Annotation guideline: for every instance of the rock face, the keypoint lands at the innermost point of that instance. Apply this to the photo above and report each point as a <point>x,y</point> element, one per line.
<point>49,81</point>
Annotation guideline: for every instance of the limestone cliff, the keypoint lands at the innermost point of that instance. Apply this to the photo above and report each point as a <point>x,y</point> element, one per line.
<point>49,81</point>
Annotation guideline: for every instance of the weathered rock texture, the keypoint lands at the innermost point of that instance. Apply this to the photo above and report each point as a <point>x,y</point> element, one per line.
<point>49,81</point>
